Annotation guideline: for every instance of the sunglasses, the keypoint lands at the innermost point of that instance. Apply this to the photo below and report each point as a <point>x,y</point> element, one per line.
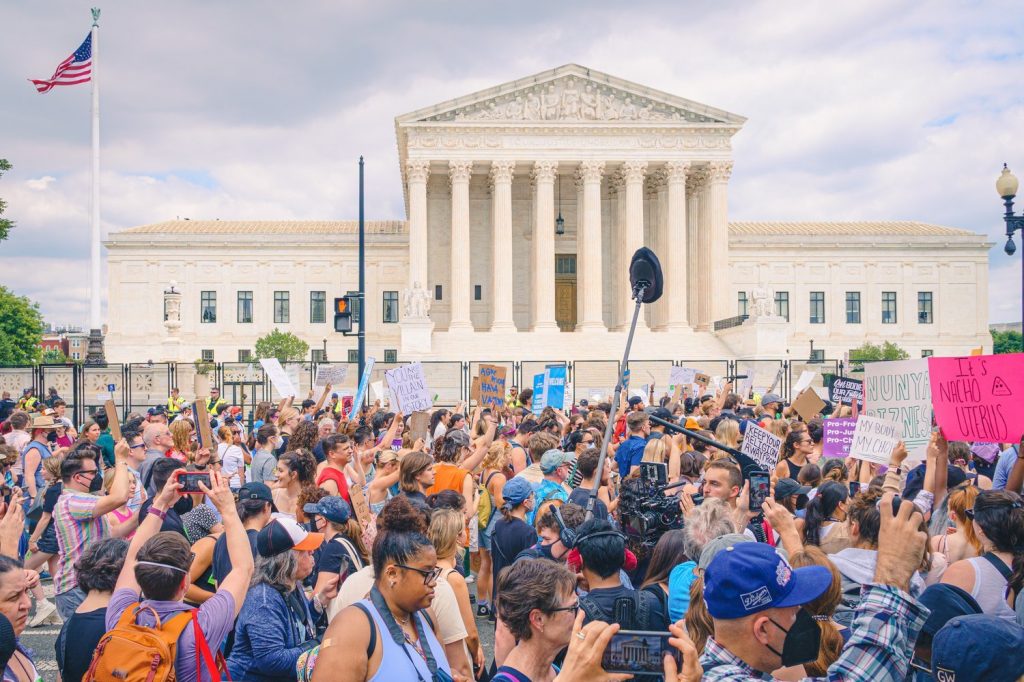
<point>429,575</point>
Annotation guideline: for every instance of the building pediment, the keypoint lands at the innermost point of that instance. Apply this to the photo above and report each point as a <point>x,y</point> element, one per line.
<point>571,94</point>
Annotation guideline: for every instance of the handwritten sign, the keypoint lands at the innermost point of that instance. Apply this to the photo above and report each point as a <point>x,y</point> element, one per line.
<point>979,398</point>
<point>330,374</point>
<point>279,379</point>
<point>379,391</point>
<point>492,385</point>
<point>874,438</point>
<point>762,446</point>
<point>845,391</point>
<point>837,436</point>
<point>681,375</point>
<point>115,424</point>
<point>899,391</point>
<point>474,390</point>
<point>702,380</point>
<point>408,385</point>
<point>359,505</point>
<point>806,377</point>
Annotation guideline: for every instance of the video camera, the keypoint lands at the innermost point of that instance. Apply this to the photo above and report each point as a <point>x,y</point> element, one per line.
<point>645,511</point>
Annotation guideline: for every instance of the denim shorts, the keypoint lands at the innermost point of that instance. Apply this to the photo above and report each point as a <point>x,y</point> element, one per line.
<point>485,534</point>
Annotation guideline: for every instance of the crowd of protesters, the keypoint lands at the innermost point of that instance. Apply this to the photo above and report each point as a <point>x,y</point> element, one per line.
<point>309,544</point>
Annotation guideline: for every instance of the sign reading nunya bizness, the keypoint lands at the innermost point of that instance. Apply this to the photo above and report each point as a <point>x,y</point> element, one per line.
<point>899,391</point>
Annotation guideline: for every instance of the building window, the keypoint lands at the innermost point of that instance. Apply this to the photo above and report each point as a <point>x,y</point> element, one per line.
<point>282,307</point>
<point>390,355</point>
<point>208,306</point>
<point>245,307</point>
<point>390,306</point>
<point>207,354</point>
<point>782,304</point>
<point>852,307</point>
<point>478,292</point>
<point>924,307</point>
<point>927,353</point>
<point>76,356</point>
<point>741,303</point>
<point>888,307</point>
<point>318,355</point>
<point>818,355</point>
<point>817,307</point>
<point>244,355</point>
<point>565,265</point>
<point>317,307</point>
<point>353,355</point>
<point>437,292</point>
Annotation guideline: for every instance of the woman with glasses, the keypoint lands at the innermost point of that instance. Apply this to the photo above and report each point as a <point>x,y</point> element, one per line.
<point>388,636</point>
<point>537,603</point>
<point>798,447</point>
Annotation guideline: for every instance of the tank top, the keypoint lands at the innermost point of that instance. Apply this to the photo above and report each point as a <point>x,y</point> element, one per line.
<point>447,477</point>
<point>396,664</point>
<point>990,589</point>
<point>794,469</point>
<point>332,474</point>
<point>44,453</point>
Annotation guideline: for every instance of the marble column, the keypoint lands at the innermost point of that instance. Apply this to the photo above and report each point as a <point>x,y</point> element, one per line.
<point>659,232</point>
<point>416,173</point>
<point>592,312</point>
<point>620,278</point>
<point>694,268</point>
<point>543,287</point>
<point>705,264</point>
<point>501,176</point>
<point>722,301</point>
<point>633,177</point>
<point>459,172</point>
<point>676,256</point>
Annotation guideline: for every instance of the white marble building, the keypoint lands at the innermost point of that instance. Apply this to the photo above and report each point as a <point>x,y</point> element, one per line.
<point>480,270</point>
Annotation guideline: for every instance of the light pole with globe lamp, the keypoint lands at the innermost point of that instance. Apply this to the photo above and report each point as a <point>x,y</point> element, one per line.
<point>1006,185</point>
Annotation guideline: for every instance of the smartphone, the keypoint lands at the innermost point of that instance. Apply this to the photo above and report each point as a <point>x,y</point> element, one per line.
<point>189,481</point>
<point>760,489</point>
<point>854,488</point>
<point>639,653</point>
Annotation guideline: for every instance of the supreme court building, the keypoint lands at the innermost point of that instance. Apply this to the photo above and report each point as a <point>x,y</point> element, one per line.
<point>524,203</point>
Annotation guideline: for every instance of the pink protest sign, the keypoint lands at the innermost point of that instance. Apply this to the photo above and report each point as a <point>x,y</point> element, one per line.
<point>979,398</point>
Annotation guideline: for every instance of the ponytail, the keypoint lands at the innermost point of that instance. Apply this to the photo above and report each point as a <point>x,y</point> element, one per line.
<point>830,495</point>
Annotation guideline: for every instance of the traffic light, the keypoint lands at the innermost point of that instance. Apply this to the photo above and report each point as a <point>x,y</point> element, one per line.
<point>343,314</point>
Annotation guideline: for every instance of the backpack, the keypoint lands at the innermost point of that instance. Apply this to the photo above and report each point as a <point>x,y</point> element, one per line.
<point>485,503</point>
<point>135,652</point>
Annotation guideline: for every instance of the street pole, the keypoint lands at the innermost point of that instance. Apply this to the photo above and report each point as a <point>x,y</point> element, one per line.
<point>362,274</point>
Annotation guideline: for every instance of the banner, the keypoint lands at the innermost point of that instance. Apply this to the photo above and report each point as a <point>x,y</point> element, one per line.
<point>845,391</point>
<point>408,385</point>
<point>537,403</point>
<point>492,385</point>
<point>681,375</point>
<point>762,446</point>
<point>979,398</point>
<point>554,386</point>
<point>899,391</point>
<point>837,437</point>
<point>279,379</point>
<point>874,438</point>
<point>357,401</point>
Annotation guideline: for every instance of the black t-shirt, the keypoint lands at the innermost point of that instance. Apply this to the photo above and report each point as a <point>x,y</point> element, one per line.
<point>50,497</point>
<point>171,523</point>
<point>580,495</point>
<point>221,561</point>
<point>509,539</point>
<point>6,408</point>
<point>74,653</point>
<point>605,598</point>
<point>318,452</point>
<point>333,557</point>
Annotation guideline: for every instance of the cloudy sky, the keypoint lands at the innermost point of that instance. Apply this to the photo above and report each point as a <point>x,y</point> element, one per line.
<point>876,109</point>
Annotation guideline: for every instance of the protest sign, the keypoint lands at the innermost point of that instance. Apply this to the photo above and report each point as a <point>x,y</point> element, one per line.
<point>348,404</point>
<point>806,377</point>
<point>554,386</point>
<point>702,380</point>
<point>681,375</point>
<point>979,398</point>
<point>115,424</point>
<point>899,391</point>
<point>837,437</point>
<point>279,379</point>
<point>419,426</point>
<point>364,381</point>
<point>378,390</point>
<point>408,385</point>
<point>808,404</point>
<point>639,392</point>
<point>334,375</point>
<point>203,432</point>
<point>874,438</point>
<point>537,402</point>
<point>980,350</point>
<point>359,505</point>
<point>762,446</point>
<point>567,403</point>
<point>474,390</point>
<point>746,383</point>
<point>845,391</point>
<point>492,385</point>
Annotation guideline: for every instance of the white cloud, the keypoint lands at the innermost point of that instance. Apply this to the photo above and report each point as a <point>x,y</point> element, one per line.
<point>876,109</point>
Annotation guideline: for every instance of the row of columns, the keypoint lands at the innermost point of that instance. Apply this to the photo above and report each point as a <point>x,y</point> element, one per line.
<point>691,233</point>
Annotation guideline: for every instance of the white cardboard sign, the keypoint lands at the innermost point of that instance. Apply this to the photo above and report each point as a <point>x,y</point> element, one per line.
<point>762,446</point>
<point>408,385</point>
<point>279,379</point>
<point>874,438</point>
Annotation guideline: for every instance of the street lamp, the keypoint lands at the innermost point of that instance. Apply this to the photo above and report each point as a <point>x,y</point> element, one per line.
<point>325,351</point>
<point>1006,186</point>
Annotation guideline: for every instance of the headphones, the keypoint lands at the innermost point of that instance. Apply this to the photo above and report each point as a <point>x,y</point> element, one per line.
<point>597,534</point>
<point>567,536</point>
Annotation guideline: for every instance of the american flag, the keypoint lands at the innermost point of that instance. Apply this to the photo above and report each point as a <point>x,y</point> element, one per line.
<point>74,70</point>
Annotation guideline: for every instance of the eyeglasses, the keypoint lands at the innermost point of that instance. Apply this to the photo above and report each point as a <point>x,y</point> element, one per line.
<point>137,446</point>
<point>429,576</point>
<point>574,608</point>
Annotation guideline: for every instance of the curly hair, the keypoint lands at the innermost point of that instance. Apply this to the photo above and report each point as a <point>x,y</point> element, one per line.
<point>302,463</point>
<point>401,534</point>
<point>99,566</point>
<point>528,585</point>
<point>305,436</point>
<point>498,456</point>
<point>181,434</point>
<point>308,495</point>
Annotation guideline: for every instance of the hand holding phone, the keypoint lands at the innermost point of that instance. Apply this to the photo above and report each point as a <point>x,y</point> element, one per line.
<point>189,481</point>
<point>639,653</point>
<point>760,489</point>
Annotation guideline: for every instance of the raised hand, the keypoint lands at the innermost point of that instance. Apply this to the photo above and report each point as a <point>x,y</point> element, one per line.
<point>901,543</point>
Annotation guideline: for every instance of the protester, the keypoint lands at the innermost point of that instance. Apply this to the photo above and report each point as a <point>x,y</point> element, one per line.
<point>512,534</point>
<point>669,552</point>
<point>295,471</point>
<point>14,606</point>
<point>231,456</point>
<point>978,648</point>
<point>264,461</point>
<point>554,464</point>
<point>833,635</point>
<point>824,518</point>
<point>492,480</point>
<point>254,508</point>
<point>342,552</point>
<point>202,530</point>
<point>630,452</point>
<point>158,441</point>
<point>337,449</point>
<point>586,466</point>
<point>452,609</point>
<point>415,477</point>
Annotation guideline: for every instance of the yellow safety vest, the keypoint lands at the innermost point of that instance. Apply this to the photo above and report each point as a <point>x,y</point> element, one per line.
<point>212,405</point>
<point>174,405</point>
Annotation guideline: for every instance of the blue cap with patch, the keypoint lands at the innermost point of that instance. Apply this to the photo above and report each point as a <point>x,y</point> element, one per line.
<point>978,648</point>
<point>753,576</point>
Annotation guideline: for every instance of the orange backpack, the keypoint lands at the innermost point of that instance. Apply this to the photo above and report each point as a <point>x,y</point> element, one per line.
<point>133,652</point>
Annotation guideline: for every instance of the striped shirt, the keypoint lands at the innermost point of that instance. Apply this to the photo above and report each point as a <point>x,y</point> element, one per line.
<point>76,529</point>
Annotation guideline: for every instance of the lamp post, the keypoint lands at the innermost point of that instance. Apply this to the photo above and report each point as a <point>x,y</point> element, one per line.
<point>1006,186</point>
<point>325,350</point>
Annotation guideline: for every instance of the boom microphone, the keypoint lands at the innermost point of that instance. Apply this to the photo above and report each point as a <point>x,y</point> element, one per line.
<point>645,275</point>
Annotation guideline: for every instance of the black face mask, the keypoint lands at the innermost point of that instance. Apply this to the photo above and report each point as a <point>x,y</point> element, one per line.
<point>545,551</point>
<point>803,640</point>
<point>183,506</point>
<point>96,484</point>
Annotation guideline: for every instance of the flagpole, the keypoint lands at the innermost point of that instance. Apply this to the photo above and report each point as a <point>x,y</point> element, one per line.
<point>95,352</point>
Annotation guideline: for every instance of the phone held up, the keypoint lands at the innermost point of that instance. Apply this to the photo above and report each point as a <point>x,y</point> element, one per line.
<point>189,481</point>
<point>639,653</point>
<point>760,489</point>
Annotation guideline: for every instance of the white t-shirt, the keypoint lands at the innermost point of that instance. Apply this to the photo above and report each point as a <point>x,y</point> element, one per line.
<point>232,463</point>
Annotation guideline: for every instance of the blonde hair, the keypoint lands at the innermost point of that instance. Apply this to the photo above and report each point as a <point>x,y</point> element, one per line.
<point>779,427</point>
<point>655,451</point>
<point>52,464</point>
<point>446,525</point>
<point>286,414</point>
<point>497,456</point>
<point>225,435</point>
<point>728,432</point>
<point>823,608</point>
<point>181,434</point>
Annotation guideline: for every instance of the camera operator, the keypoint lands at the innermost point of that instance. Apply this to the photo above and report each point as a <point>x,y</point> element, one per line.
<point>586,465</point>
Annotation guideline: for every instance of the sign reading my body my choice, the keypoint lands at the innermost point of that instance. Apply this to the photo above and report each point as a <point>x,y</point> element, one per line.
<point>978,398</point>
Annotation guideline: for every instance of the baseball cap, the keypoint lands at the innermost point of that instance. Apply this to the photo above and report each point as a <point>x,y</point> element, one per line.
<point>332,508</point>
<point>516,490</point>
<point>752,576</point>
<point>978,647</point>
<point>770,398</point>
<point>257,491</point>
<point>636,400</point>
<point>661,413</point>
<point>787,487</point>
<point>283,534</point>
<point>552,459</point>
<point>944,603</point>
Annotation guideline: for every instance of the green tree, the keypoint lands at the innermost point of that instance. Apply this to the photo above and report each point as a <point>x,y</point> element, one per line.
<point>5,223</point>
<point>21,329</point>
<point>54,356</point>
<point>284,346</point>
<point>870,352</point>
<point>1007,342</point>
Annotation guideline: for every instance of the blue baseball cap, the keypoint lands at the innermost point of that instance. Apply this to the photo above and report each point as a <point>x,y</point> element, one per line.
<point>516,490</point>
<point>944,603</point>
<point>332,508</point>
<point>753,576</point>
<point>978,647</point>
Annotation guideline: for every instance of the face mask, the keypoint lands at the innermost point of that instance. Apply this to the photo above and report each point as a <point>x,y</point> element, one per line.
<point>184,506</point>
<point>545,551</point>
<point>802,640</point>
<point>96,484</point>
